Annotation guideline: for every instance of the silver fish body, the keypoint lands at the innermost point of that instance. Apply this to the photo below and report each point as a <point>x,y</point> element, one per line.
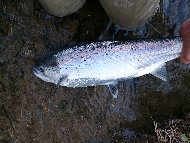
<point>106,63</point>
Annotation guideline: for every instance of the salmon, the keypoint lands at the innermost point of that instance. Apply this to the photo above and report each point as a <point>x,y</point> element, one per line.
<point>108,62</point>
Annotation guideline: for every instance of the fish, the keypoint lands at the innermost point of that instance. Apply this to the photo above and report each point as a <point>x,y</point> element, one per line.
<point>108,62</point>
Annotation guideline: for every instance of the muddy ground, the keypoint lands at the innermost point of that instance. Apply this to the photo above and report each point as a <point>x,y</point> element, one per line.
<point>30,111</point>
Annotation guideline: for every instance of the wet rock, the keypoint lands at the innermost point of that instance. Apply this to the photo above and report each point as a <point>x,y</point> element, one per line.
<point>62,8</point>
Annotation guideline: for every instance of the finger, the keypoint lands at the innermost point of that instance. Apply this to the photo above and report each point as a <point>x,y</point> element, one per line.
<point>185,54</point>
<point>185,34</point>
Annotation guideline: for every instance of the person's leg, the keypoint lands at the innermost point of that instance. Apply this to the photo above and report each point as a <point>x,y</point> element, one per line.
<point>185,34</point>
<point>63,7</point>
<point>129,13</point>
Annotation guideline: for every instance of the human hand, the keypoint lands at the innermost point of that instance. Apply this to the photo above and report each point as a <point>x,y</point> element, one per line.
<point>184,32</point>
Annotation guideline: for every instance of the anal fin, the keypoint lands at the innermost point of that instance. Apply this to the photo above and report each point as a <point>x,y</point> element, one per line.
<point>160,72</point>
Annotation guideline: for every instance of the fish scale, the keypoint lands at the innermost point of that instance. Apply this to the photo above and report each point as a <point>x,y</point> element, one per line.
<point>106,63</point>
<point>111,47</point>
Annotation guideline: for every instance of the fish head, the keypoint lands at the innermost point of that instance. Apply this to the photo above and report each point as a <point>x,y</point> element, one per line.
<point>47,70</point>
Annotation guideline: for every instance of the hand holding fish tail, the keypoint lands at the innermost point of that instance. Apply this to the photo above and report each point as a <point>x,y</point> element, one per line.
<point>185,34</point>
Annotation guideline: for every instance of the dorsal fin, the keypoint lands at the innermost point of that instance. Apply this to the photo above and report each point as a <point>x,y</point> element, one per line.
<point>105,36</point>
<point>164,35</point>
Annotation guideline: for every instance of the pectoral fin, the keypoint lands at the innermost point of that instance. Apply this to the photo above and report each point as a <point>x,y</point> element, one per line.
<point>64,78</point>
<point>113,89</point>
<point>160,72</point>
<point>61,80</point>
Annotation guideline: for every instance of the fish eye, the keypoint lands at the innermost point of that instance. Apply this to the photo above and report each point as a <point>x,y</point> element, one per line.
<point>41,69</point>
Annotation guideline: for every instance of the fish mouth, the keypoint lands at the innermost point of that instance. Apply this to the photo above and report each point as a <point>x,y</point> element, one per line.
<point>35,71</point>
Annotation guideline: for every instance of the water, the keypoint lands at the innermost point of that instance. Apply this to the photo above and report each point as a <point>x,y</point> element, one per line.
<point>31,111</point>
